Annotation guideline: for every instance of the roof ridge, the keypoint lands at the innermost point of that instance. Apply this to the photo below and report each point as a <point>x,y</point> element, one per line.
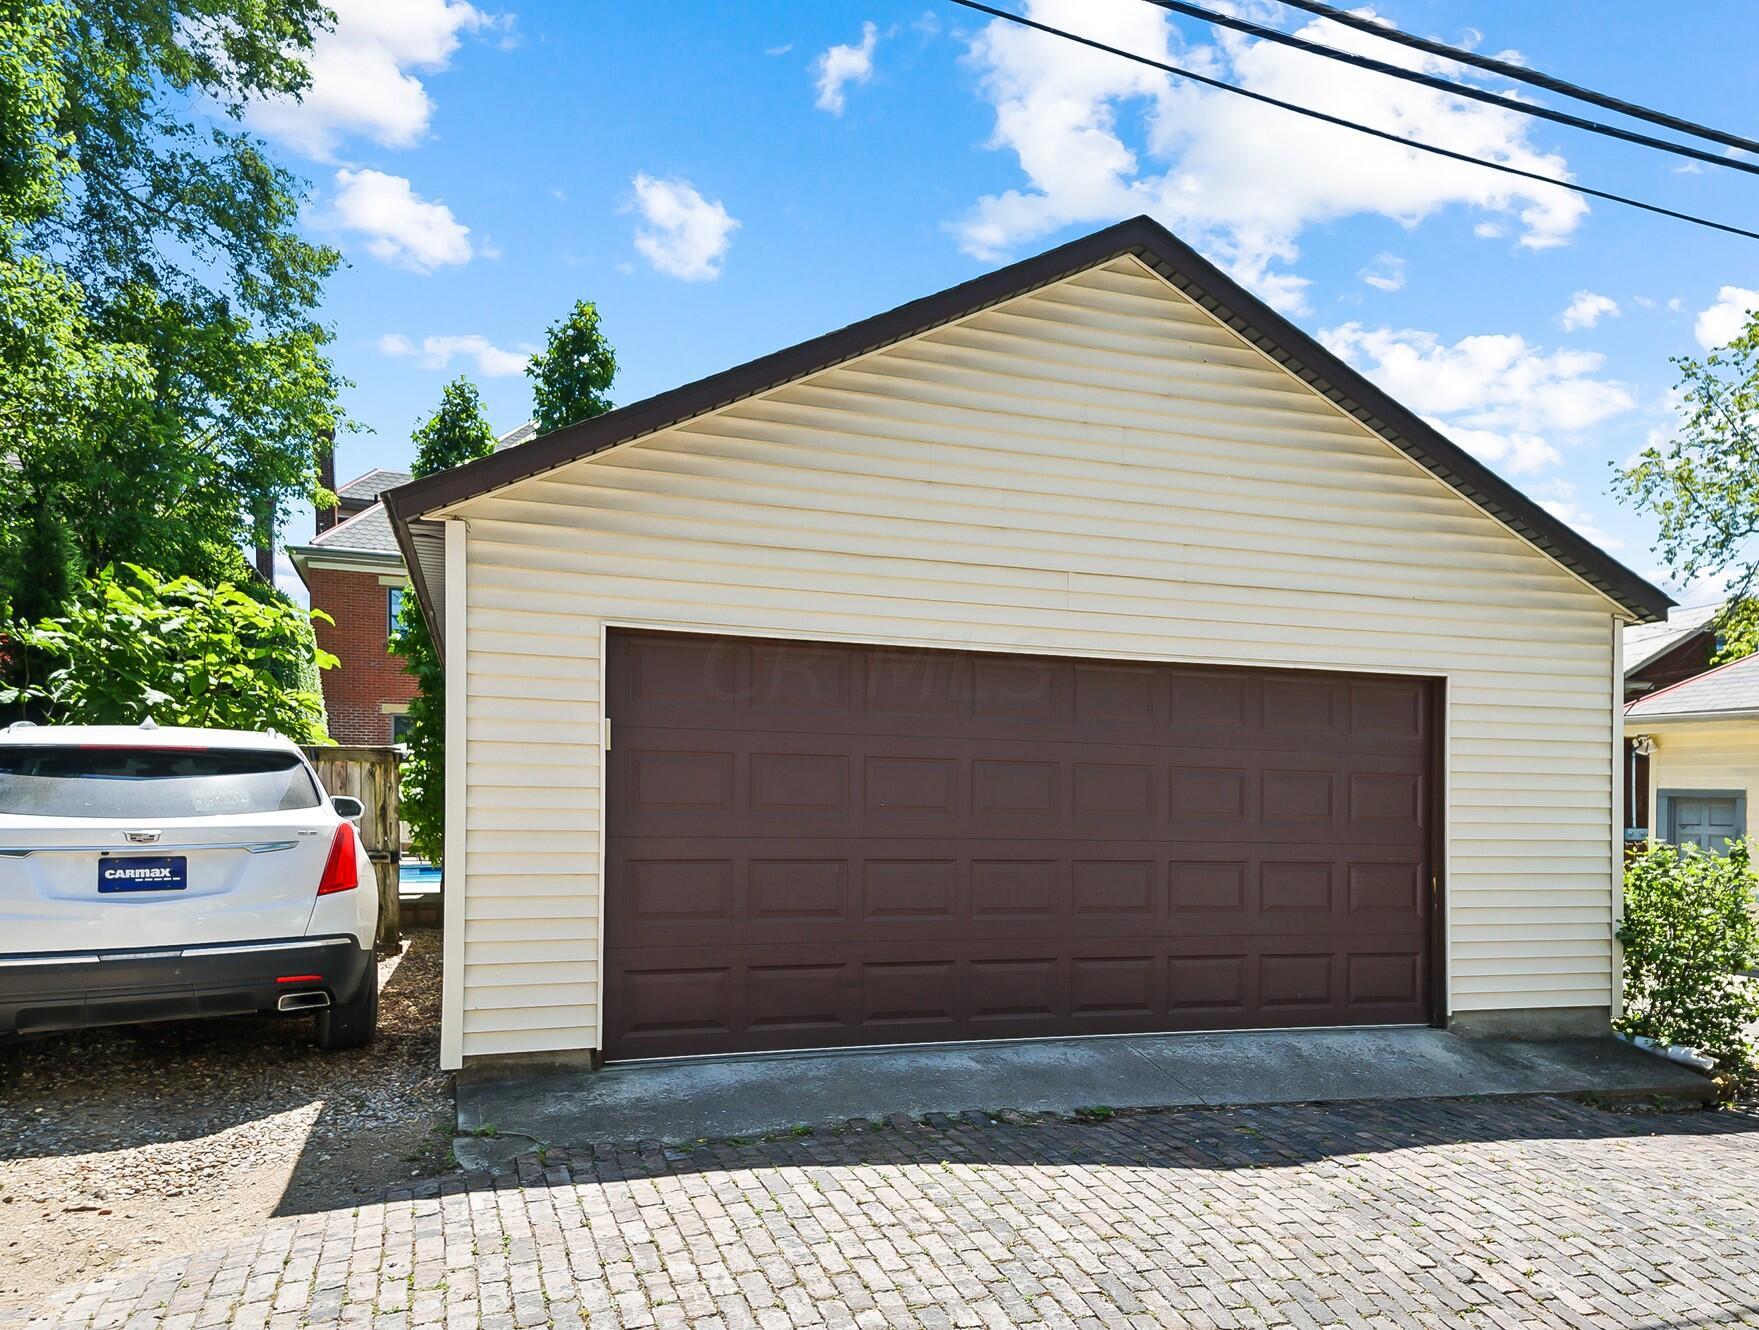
<point>1157,249</point>
<point>377,471</point>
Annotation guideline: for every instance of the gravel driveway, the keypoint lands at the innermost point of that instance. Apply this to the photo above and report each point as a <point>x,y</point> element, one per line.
<point>118,1146</point>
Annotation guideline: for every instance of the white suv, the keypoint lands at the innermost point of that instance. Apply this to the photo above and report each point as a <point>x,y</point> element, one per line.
<point>154,874</point>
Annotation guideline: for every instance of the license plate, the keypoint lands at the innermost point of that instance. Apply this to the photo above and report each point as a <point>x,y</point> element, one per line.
<point>142,872</point>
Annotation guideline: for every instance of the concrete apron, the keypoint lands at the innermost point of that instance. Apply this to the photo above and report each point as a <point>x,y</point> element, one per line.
<point>752,1094</point>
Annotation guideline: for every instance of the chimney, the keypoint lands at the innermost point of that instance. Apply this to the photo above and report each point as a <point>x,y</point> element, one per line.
<point>326,517</point>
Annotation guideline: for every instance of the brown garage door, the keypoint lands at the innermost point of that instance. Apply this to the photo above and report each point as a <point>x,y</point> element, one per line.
<point>815,844</point>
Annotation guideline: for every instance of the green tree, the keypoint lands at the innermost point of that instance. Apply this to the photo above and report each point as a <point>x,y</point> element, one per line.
<point>455,434</point>
<point>60,380</point>
<point>572,374</point>
<point>1702,485</point>
<point>150,257</point>
<point>135,644</point>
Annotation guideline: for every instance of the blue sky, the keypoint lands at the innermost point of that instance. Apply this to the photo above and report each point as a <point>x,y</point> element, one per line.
<point>728,179</point>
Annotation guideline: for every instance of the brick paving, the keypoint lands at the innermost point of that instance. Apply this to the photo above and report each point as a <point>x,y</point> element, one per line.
<point>1376,1217</point>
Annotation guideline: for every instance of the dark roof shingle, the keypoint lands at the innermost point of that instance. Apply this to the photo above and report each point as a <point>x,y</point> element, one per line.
<point>366,532</point>
<point>373,484</point>
<point>1731,688</point>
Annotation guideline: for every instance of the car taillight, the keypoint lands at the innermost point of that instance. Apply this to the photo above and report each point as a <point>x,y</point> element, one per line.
<point>340,871</point>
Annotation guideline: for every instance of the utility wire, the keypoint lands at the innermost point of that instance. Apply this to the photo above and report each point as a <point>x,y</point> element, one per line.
<point>1522,74</point>
<point>1455,89</point>
<point>1342,123</point>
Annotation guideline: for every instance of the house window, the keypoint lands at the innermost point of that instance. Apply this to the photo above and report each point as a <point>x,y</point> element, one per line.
<point>394,607</point>
<point>1709,819</point>
<point>400,728</point>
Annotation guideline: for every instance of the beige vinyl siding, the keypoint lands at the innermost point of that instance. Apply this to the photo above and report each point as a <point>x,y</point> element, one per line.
<point>1095,469</point>
<point>1702,755</point>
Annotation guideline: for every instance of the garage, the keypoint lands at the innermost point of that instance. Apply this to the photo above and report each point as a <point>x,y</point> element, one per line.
<point>819,844</point>
<point>1081,649</point>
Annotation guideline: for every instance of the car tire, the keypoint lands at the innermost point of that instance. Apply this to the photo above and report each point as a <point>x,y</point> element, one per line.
<point>351,1024</point>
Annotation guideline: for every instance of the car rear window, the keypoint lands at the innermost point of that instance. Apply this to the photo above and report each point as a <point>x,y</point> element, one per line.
<point>48,781</point>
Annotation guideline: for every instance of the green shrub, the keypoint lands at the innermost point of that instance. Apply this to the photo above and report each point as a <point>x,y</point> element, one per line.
<point>133,644</point>
<point>298,669</point>
<point>1688,934</point>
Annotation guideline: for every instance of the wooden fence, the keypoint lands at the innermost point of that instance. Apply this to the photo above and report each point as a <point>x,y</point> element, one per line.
<point>370,775</point>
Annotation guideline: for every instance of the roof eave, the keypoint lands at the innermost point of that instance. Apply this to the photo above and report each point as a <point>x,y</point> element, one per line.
<point>402,528</point>
<point>1690,717</point>
<point>342,554</point>
<point>1177,263</point>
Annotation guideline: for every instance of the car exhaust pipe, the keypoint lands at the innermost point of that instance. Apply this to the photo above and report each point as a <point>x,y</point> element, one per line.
<point>302,1001</point>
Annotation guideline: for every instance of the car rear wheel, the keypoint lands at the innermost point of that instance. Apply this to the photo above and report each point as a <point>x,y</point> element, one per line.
<point>350,1024</point>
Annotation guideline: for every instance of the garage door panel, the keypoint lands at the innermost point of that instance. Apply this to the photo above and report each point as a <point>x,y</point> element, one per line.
<point>740,716</point>
<point>815,844</point>
<point>828,890</point>
<point>674,786</point>
<point>773,999</point>
<point>735,685</point>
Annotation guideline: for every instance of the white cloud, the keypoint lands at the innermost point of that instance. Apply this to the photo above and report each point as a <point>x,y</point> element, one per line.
<point>1242,179</point>
<point>1587,309</point>
<point>843,65</point>
<point>1496,395</point>
<point>1725,320</point>
<point>361,79</point>
<point>1386,273</point>
<point>1705,589</point>
<point>684,235</point>
<point>1514,452</point>
<point>1558,497</point>
<point>438,352</point>
<point>400,226</point>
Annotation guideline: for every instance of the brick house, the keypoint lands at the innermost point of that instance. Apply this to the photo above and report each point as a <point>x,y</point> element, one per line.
<point>355,575</point>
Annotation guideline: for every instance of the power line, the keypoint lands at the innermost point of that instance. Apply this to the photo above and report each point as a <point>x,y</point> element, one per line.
<point>1455,89</point>
<point>1522,74</point>
<point>1342,123</point>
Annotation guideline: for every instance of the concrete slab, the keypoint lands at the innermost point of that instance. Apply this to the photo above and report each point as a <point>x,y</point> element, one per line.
<point>751,1095</point>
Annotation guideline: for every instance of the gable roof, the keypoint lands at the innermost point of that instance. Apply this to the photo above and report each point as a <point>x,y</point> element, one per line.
<point>1649,642</point>
<point>363,537</point>
<point>364,489</point>
<point>1152,244</point>
<point>1727,690</point>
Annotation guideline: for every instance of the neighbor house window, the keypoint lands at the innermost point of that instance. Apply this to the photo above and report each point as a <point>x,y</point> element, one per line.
<point>394,607</point>
<point>400,728</point>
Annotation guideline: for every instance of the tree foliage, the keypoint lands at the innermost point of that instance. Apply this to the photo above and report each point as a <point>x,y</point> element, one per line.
<point>154,288</point>
<point>1702,485</point>
<point>572,374</point>
<point>150,189</point>
<point>133,644</point>
<point>1688,934</point>
<point>456,433</point>
<point>62,380</point>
